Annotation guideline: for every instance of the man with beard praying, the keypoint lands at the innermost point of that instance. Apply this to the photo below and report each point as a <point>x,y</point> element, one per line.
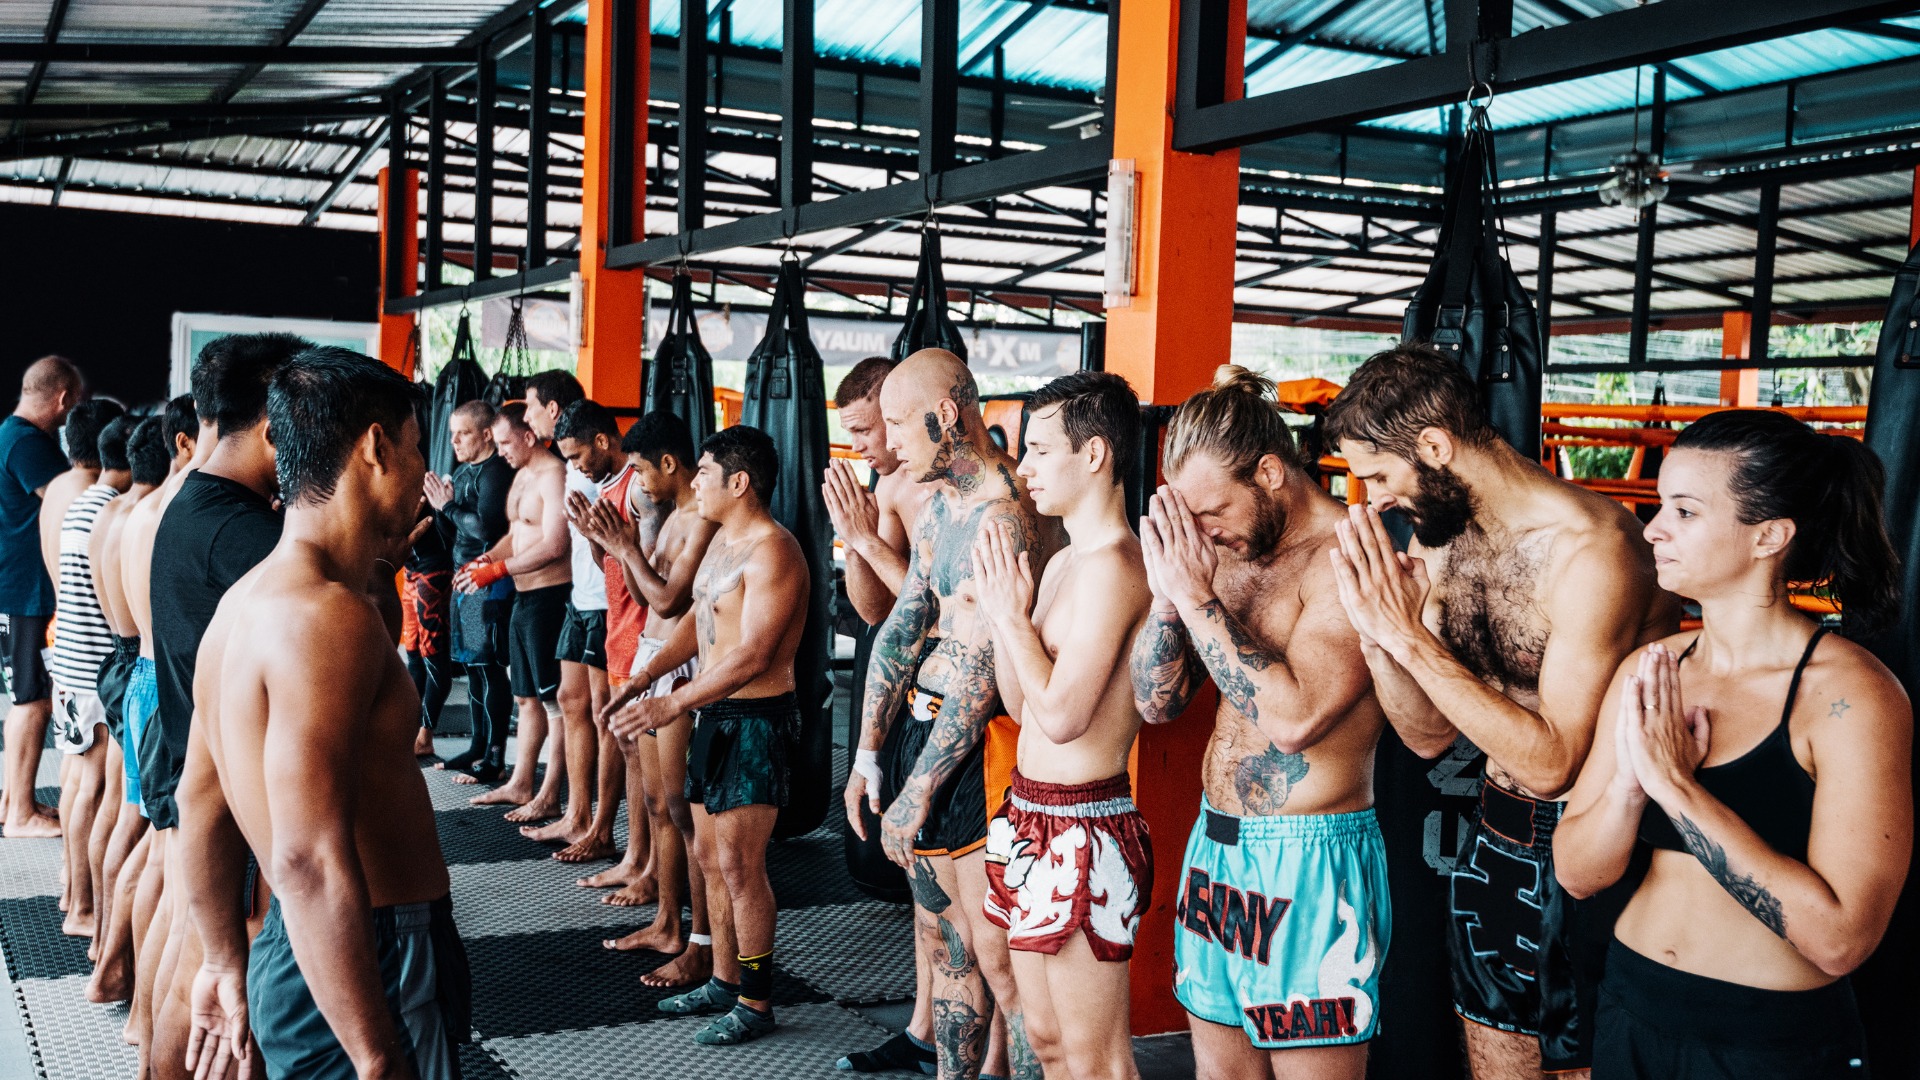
<point>1502,624</point>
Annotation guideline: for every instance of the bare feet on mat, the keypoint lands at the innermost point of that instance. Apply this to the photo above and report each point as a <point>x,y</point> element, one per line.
<point>690,968</point>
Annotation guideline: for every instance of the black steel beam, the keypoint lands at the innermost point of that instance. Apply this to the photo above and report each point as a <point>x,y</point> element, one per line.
<point>1069,163</point>
<point>554,273</point>
<point>284,38</point>
<point>1656,32</point>
<point>314,111</point>
<point>796,95</point>
<point>693,115</point>
<point>1802,237</point>
<point>436,182</point>
<point>939,84</point>
<point>540,86</point>
<point>75,52</point>
<point>56,18</point>
<point>1763,256</point>
<point>1543,285</point>
<point>347,175</point>
<point>84,144</point>
<point>486,76</point>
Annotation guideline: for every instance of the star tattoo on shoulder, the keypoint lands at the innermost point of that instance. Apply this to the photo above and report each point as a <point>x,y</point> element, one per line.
<point>1840,708</point>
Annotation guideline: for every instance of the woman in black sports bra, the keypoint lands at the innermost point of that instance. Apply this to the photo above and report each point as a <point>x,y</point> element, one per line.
<point>1758,769</point>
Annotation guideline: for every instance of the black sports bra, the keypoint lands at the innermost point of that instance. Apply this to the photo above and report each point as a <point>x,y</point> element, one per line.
<point>1765,786</point>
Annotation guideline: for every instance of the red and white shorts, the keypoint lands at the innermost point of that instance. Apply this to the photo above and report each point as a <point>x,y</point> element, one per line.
<point>1065,858</point>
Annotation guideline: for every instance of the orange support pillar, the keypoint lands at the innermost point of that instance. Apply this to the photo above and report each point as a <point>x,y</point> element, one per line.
<point>397,330</point>
<point>1167,342</point>
<point>613,302</point>
<point>1738,386</point>
<point>1179,326</point>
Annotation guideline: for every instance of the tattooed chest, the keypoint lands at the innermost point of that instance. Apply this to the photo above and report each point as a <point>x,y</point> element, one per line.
<point>951,558</point>
<point>720,575</point>
<point>1489,616</point>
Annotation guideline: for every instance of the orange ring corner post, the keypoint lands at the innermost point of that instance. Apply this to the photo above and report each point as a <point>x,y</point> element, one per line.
<point>1739,387</point>
<point>399,270</point>
<point>1166,340</point>
<point>613,203</point>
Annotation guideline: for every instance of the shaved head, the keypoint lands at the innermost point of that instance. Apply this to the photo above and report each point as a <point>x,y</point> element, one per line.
<point>49,375</point>
<point>930,406</point>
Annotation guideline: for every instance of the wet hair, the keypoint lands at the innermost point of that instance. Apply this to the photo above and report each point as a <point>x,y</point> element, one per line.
<point>112,443</point>
<point>82,431</point>
<point>515,414</point>
<point>1095,403</point>
<point>148,451</point>
<point>584,419</point>
<point>863,381</point>
<point>1829,486</point>
<point>1235,420</point>
<point>180,418</point>
<point>230,378</point>
<point>478,413</point>
<point>745,449</point>
<point>555,388</point>
<point>1399,393</point>
<point>319,404</point>
<point>658,434</point>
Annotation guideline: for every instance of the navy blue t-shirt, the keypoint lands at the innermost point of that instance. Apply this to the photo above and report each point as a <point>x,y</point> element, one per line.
<point>29,458</point>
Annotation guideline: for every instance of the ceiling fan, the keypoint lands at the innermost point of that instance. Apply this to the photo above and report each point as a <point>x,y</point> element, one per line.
<point>1640,178</point>
<point>1088,123</point>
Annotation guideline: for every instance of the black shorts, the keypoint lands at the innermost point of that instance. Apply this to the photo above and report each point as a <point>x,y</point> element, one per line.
<point>115,670</point>
<point>583,640</point>
<point>740,752</point>
<point>956,822</point>
<point>1659,1023</point>
<point>533,630</point>
<point>22,637</point>
<point>1519,959</point>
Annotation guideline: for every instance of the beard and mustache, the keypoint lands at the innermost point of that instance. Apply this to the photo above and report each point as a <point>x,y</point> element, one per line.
<point>1443,508</point>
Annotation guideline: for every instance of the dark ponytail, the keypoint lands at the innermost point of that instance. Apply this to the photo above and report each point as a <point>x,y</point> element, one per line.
<point>1829,486</point>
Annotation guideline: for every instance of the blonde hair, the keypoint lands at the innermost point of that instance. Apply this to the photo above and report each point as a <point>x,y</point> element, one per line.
<point>1235,421</point>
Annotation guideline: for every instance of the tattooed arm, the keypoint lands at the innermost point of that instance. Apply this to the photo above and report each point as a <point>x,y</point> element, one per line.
<point>1163,667</point>
<point>1833,908</point>
<point>897,644</point>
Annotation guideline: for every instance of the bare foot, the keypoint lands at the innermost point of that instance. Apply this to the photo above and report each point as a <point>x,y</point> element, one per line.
<point>561,831</point>
<point>110,982</point>
<point>537,810</point>
<point>77,926</point>
<point>655,938</point>
<point>35,827</point>
<point>508,794</point>
<point>690,968</point>
<point>620,873</point>
<point>635,894</point>
<point>463,778</point>
<point>590,849</point>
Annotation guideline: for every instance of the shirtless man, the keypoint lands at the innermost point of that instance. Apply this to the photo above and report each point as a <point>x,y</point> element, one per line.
<point>301,755</point>
<point>933,662</point>
<point>1069,865</point>
<point>874,524</point>
<point>119,826</point>
<point>1235,545</point>
<point>84,642</point>
<point>1503,624</point>
<point>534,553</point>
<point>660,450</point>
<point>142,700</point>
<point>749,608</point>
<point>30,459</point>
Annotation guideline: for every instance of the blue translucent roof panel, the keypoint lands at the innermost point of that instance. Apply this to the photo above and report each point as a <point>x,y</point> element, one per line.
<point>1303,65</point>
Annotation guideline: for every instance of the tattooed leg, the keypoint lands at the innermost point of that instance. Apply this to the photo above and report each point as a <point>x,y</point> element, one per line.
<point>962,1005</point>
<point>996,967</point>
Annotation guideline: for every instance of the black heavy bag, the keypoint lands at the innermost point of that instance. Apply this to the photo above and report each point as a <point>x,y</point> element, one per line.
<point>1888,994</point>
<point>1472,305</point>
<point>459,382</point>
<point>516,361</point>
<point>928,324</point>
<point>680,379</point>
<point>786,397</point>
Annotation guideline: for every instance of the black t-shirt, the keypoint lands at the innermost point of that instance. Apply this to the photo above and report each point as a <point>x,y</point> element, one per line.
<point>429,554</point>
<point>214,531</point>
<point>476,516</point>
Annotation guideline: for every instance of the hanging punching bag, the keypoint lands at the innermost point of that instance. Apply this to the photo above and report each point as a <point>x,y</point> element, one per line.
<point>459,382</point>
<point>1888,995</point>
<point>1472,305</point>
<point>786,397</point>
<point>516,361</point>
<point>928,324</point>
<point>680,379</point>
